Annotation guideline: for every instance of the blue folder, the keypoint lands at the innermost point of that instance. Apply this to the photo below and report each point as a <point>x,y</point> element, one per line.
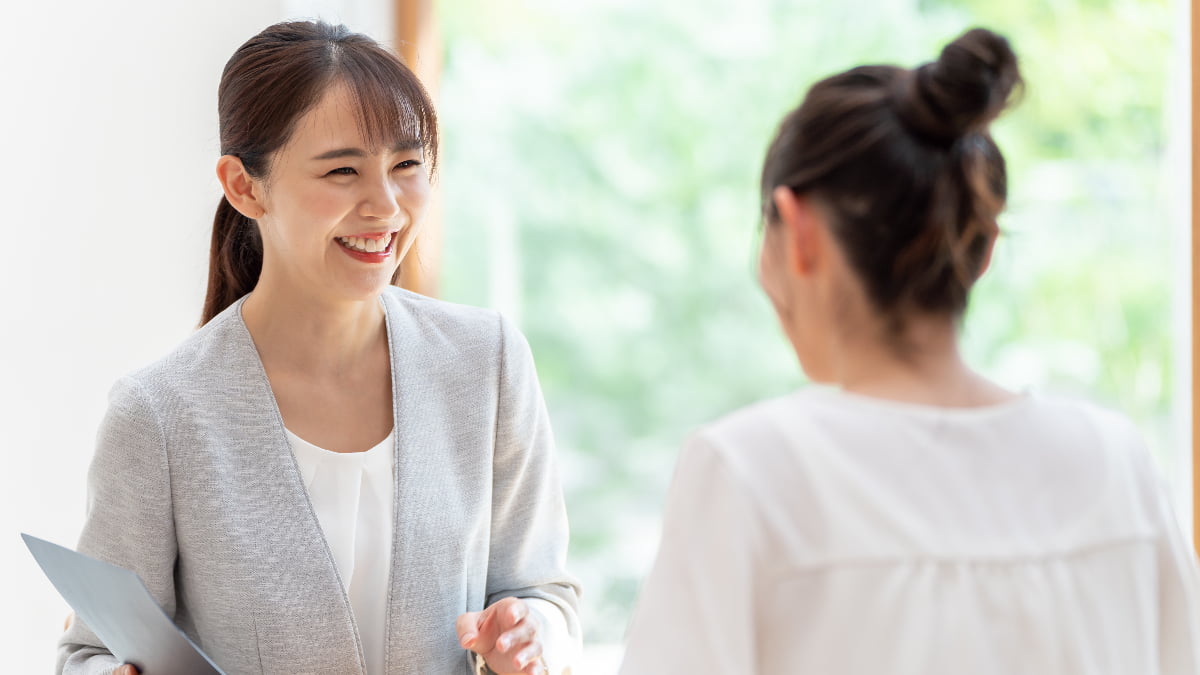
<point>120,610</point>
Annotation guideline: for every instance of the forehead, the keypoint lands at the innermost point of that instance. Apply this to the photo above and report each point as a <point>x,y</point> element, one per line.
<point>343,119</point>
<point>334,120</point>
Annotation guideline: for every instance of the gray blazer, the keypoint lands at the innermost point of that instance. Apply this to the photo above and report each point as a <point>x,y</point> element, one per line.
<point>194,487</point>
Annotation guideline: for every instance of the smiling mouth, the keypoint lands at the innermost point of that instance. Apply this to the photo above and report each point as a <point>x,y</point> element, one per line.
<point>380,243</point>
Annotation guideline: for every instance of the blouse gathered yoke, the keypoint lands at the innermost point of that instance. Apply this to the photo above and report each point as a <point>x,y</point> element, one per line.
<point>195,488</point>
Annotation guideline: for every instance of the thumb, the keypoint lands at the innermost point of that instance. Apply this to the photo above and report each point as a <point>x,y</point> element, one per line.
<point>467,627</point>
<point>127,670</point>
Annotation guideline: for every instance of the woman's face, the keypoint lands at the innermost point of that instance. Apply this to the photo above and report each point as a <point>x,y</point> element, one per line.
<point>339,215</point>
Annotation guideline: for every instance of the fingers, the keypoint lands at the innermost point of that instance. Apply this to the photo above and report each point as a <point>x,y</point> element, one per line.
<point>126,670</point>
<point>516,636</point>
<point>479,631</point>
<point>522,653</point>
<point>506,634</point>
<point>508,612</point>
<point>518,648</point>
<point>529,659</point>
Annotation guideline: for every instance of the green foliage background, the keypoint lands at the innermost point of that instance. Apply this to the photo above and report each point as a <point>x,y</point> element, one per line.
<point>600,183</point>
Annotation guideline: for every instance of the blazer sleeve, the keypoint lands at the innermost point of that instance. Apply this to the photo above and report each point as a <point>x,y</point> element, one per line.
<point>527,556</point>
<point>129,517</point>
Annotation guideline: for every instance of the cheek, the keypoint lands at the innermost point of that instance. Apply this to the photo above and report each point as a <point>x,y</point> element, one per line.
<point>321,202</point>
<point>417,197</point>
<point>312,214</point>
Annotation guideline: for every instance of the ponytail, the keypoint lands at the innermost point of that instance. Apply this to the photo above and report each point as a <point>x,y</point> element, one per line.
<point>234,262</point>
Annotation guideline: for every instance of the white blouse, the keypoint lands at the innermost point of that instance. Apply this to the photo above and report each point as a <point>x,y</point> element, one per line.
<point>826,532</point>
<point>352,494</point>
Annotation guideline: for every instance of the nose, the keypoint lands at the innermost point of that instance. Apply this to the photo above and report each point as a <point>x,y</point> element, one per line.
<point>381,200</point>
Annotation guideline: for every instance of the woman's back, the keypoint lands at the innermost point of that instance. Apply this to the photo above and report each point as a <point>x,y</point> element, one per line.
<point>855,535</point>
<point>876,532</point>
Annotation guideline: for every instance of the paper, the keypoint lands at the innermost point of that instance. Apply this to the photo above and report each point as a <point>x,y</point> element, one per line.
<point>119,608</point>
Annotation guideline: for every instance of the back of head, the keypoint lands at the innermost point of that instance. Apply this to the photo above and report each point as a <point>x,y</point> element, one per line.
<point>904,163</point>
<point>269,83</point>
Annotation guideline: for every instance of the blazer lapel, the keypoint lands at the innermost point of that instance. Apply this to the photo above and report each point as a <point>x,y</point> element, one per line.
<point>305,608</point>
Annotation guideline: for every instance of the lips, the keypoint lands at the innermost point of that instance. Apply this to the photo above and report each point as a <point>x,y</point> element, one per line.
<point>374,247</point>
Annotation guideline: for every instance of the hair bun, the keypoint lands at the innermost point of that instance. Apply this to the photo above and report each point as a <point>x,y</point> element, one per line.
<point>963,91</point>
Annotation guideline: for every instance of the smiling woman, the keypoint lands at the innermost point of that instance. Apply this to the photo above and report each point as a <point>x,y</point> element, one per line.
<point>345,102</point>
<point>333,473</point>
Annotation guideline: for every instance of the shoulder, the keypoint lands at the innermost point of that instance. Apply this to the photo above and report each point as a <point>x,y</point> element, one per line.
<point>1085,423</point>
<point>215,357</point>
<point>764,428</point>
<point>755,466</point>
<point>447,316</point>
<point>754,443</point>
<point>1105,430</point>
<point>450,338</point>
<point>1130,484</point>
<point>441,324</point>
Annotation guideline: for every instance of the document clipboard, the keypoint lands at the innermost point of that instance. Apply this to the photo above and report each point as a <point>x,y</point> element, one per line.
<point>119,608</point>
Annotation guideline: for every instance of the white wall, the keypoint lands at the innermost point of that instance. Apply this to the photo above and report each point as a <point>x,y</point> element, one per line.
<point>108,121</point>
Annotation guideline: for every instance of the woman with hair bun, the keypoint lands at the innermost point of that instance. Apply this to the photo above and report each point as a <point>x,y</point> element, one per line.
<point>333,475</point>
<point>908,516</point>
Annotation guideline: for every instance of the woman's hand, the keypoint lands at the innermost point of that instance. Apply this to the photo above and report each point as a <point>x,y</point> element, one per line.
<point>121,670</point>
<point>507,635</point>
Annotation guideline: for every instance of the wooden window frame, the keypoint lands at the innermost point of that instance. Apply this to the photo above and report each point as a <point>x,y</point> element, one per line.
<point>417,41</point>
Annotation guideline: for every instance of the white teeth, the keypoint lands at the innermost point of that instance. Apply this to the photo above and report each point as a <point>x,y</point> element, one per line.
<point>366,245</point>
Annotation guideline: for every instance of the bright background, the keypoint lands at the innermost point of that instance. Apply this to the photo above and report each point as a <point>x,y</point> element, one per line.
<point>599,181</point>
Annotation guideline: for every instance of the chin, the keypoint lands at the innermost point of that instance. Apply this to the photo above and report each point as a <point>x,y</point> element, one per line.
<point>364,289</point>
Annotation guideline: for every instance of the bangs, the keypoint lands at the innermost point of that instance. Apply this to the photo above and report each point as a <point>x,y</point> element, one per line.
<point>394,110</point>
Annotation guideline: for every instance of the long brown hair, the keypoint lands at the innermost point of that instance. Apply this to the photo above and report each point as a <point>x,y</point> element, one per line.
<point>267,85</point>
<point>905,163</point>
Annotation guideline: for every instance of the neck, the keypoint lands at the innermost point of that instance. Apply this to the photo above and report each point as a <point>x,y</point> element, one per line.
<point>928,370</point>
<point>315,335</point>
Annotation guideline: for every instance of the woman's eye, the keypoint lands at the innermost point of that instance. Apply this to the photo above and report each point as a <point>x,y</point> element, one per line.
<point>342,171</point>
<point>408,164</point>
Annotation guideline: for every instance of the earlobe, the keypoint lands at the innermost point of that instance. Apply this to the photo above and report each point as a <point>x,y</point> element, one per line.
<point>239,186</point>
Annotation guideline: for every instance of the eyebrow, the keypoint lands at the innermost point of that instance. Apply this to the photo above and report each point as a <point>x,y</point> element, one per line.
<point>340,153</point>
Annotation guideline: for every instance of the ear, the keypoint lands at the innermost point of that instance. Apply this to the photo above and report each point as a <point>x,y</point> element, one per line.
<point>801,223</point>
<point>241,189</point>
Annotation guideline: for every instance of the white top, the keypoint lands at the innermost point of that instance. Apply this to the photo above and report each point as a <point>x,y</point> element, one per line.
<point>352,495</point>
<point>826,532</point>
